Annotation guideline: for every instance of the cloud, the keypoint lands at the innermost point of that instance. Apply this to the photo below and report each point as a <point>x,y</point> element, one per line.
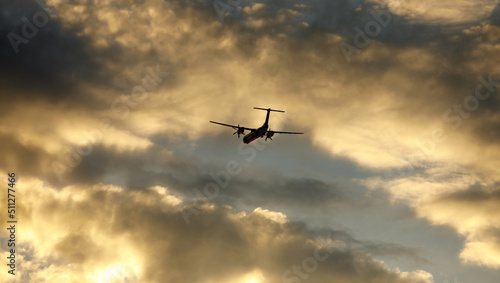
<point>401,100</point>
<point>444,11</point>
<point>104,232</point>
<point>371,114</point>
<point>54,59</point>
<point>473,214</point>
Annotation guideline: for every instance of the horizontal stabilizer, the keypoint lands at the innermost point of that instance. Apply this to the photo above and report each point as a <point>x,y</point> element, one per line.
<point>268,109</point>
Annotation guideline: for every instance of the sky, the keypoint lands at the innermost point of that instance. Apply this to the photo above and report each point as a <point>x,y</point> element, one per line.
<point>120,177</point>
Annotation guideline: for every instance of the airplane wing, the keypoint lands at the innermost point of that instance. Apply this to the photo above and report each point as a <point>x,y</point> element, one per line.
<point>296,133</point>
<point>232,126</point>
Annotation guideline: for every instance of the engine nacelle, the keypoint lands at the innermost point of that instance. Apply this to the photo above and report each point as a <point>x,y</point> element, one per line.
<point>239,131</point>
<point>269,135</point>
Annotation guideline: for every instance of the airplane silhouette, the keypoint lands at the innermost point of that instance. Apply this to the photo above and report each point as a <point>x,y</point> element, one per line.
<point>259,132</point>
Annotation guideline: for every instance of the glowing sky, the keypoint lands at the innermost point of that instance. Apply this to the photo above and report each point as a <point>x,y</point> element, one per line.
<point>121,178</point>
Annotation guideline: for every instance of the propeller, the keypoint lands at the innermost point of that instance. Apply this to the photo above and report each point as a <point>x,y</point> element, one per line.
<point>269,135</point>
<point>239,131</point>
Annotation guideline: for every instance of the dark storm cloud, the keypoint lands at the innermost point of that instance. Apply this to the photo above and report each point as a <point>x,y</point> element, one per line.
<point>495,16</point>
<point>52,61</point>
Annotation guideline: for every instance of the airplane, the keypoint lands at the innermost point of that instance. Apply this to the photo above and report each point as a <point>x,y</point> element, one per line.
<point>256,133</point>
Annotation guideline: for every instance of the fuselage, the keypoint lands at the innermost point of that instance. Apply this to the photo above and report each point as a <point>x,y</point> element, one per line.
<point>258,133</point>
